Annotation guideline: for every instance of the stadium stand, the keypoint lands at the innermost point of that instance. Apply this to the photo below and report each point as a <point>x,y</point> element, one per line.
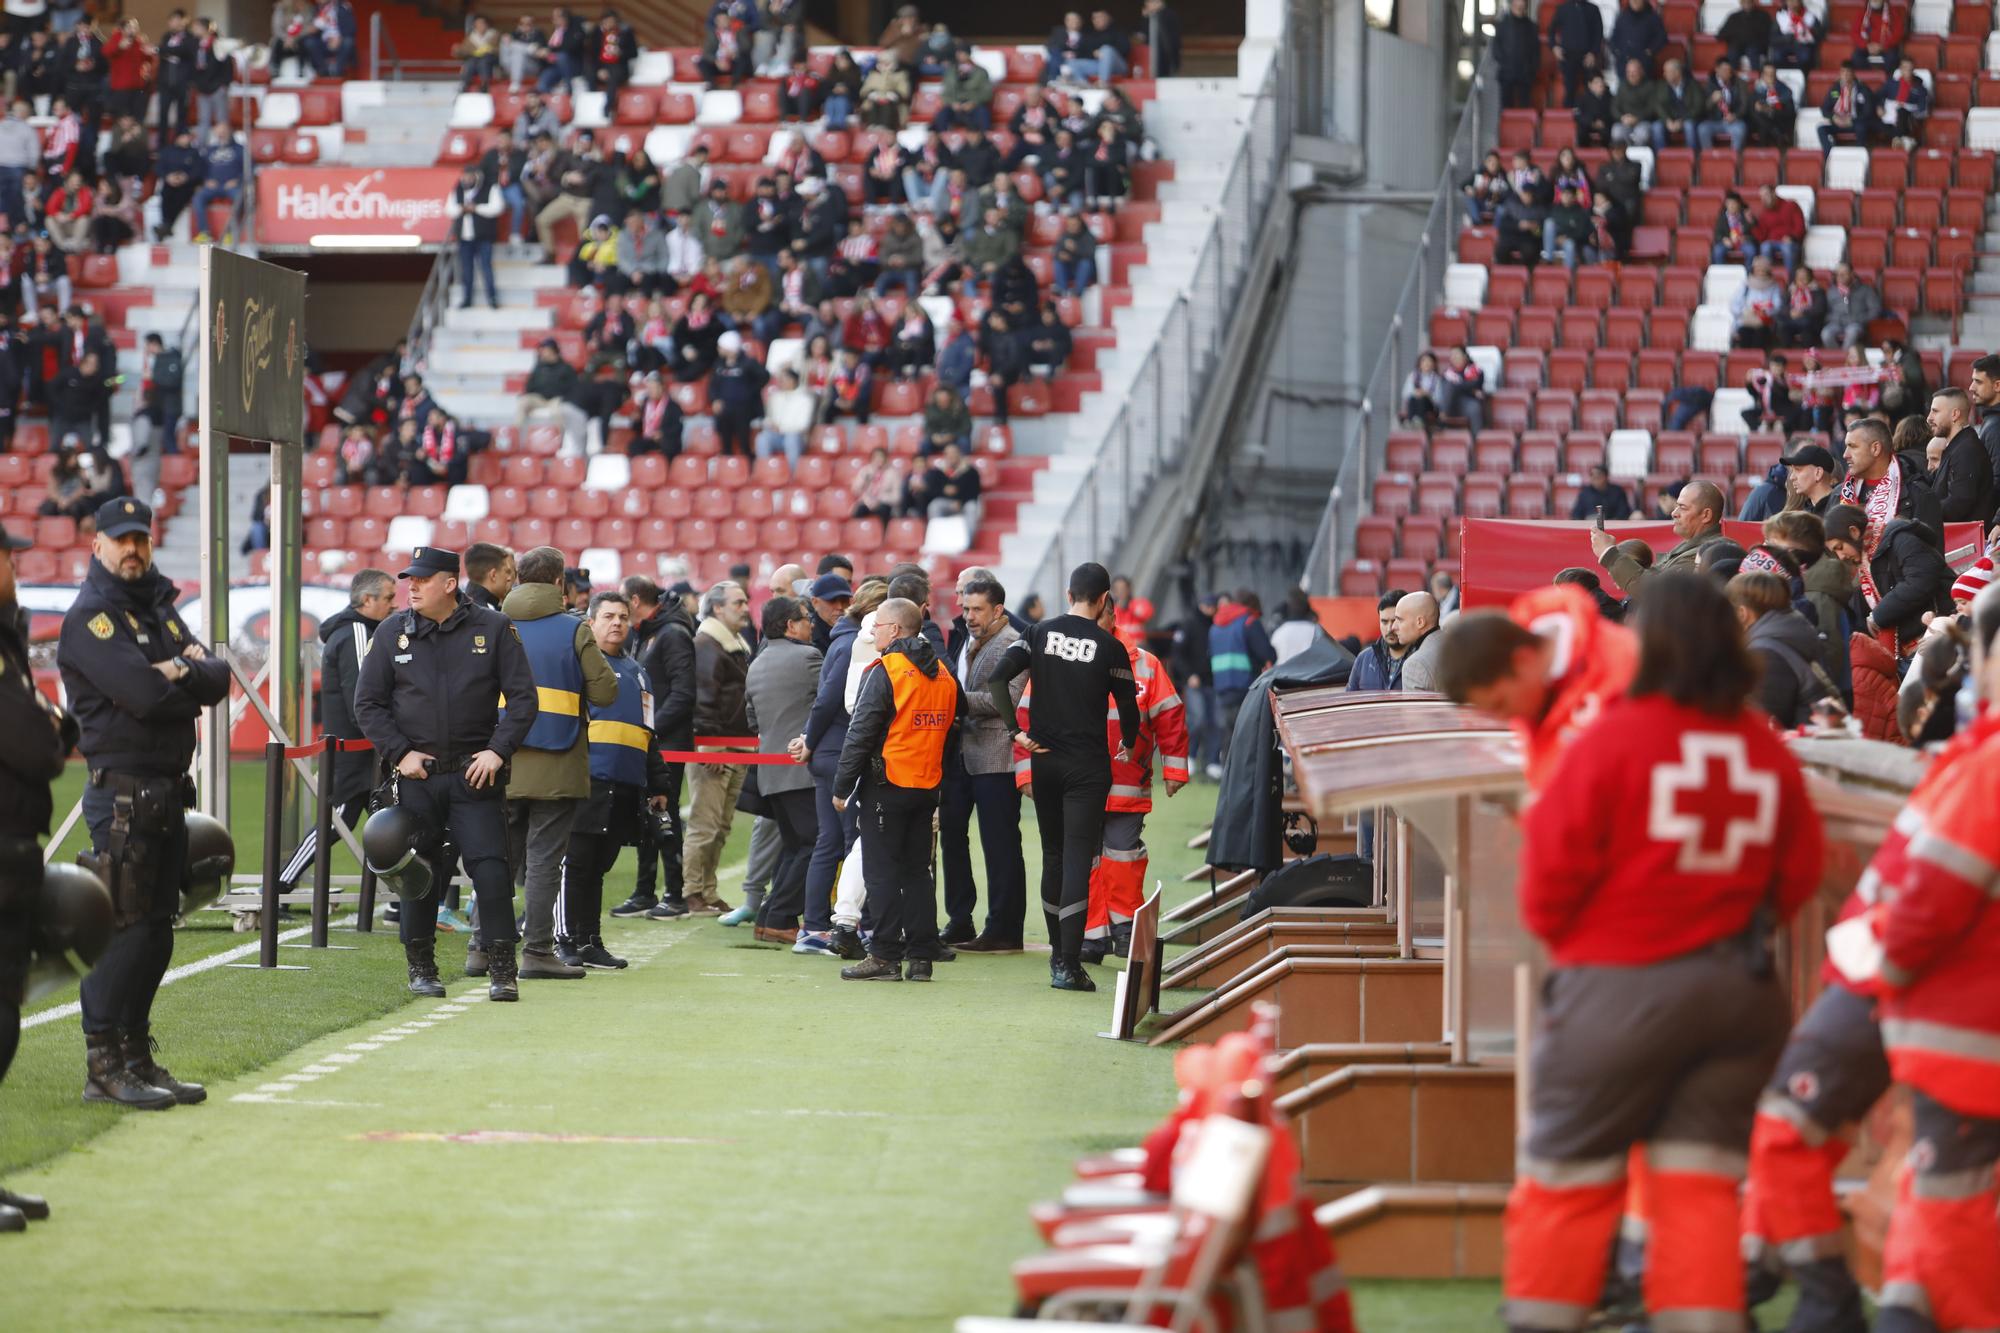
<point>1579,366</point>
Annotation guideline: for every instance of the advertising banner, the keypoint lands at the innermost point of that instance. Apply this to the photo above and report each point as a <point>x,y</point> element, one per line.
<point>295,204</point>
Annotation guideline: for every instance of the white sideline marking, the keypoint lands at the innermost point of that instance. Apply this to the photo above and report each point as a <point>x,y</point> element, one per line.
<point>227,956</point>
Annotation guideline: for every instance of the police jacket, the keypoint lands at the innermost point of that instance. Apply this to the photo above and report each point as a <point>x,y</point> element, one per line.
<point>435,686</point>
<point>345,636</point>
<point>39,738</point>
<point>133,719</point>
<point>625,763</point>
<point>721,664</point>
<point>905,720</point>
<point>669,663</point>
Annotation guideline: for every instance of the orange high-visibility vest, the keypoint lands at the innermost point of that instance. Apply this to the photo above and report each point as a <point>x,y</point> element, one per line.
<point>913,750</point>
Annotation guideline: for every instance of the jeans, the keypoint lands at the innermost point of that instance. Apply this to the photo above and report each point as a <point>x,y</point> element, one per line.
<point>1723,253</point>
<point>517,208</point>
<point>838,110</point>
<point>557,75</point>
<point>209,194</point>
<point>1647,133</point>
<point>11,201</point>
<point>477,255</point>
<point>210,109</point>
<point>1107,65</point>
<point>770,442</point>
<point>1783,253</point>
<point>1553,245</point>
<point>998,802</point>
<point>537,839</point>
<point>1684,405</point>
<point>1708,131</point>
<point>1841,335</point>
<point>1073,276</point>
<point>835,835</point>
<point>909,279</point>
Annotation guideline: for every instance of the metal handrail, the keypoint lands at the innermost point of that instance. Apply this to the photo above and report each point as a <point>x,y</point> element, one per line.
<point>378,37</point>
<point>1149,433</point>
<point>432,307</point>
<point>1407,335</point>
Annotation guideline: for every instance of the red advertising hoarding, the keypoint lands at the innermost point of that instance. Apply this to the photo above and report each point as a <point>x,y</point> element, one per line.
<point>295,204</point>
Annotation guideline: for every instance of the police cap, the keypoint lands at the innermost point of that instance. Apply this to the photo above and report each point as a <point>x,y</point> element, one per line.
<point>427,560</point>
<point>122,514</point>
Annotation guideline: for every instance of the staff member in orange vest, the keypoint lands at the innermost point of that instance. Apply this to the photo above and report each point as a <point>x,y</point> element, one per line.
<point>893,763</point>
<point>1672,836</point>
<point>1118,880</point>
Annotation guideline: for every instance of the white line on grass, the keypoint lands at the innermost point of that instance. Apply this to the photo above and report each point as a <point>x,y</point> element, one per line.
<point>73,1008</point>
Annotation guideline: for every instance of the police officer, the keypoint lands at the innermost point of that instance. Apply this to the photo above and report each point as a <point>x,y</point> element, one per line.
<point>1073,667</point>
<point>137,680</point>
<point>39,738</point>
<point>904,717</point>
<point>626,775</point>
<point>429,699</point>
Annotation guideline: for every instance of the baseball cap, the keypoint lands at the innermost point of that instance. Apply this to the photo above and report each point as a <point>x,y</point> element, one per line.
<point>1811,455</point>
<point>426,560</point>
<point>123,514</point>
<point>828,587</point>
<point>681,589</point>
<point>10,542</point>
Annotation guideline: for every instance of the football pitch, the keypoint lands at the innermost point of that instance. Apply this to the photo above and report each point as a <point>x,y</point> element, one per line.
<point>725,1136</point>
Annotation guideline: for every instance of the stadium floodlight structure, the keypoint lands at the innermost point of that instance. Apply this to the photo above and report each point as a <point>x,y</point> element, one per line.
<point>252,397</point>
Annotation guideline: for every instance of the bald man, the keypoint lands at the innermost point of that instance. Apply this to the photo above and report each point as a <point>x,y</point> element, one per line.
<point>1697,516</point>
<point>1416,630</point>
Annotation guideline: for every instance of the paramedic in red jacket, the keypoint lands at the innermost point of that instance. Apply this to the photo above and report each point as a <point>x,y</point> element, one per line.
<point>1940,1010</point>
<point>1671,838</point>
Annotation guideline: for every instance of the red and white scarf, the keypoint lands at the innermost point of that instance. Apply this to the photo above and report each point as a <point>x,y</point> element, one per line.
<point>652,415</point>
<point>1880,507</point>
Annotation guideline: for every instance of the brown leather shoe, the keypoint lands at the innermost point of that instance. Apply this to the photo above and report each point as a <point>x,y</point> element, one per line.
<point>702,904</point>
<point>773,935</point>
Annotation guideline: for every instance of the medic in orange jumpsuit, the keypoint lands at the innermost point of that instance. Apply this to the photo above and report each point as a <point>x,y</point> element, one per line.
<point>1118,879</point>
<point>1671,835</point>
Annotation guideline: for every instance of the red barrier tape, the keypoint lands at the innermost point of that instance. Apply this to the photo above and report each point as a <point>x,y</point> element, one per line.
<point>333,743</point>
<point>724,757</point>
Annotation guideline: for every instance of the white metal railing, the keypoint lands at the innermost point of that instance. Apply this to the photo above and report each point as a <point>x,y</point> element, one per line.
<point>1407,335</point>
<point>1150,431</point>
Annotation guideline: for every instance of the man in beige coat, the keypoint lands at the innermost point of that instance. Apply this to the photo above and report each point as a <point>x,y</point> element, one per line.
<point>551,770</point>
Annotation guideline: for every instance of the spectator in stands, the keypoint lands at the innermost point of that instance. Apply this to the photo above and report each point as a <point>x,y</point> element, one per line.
<point>1784,642</point>
<point>1900,573</point>
<point>576,175</point>
<point>816,235</point>
<point>1863,397</point>
<point>1622,181</point>
<point>127,56</point>
<point>967,95</point>
<point>1069,41</point>
<point>1075,258</point>
<point>355,461</point>
<point>790,412</point>
<point>1850,306</point>
<point>1048,342</point>
<point>1517,52</point>
<point>1746,35</point>
<point>1601,492</point>
<point>681,189</point>
<point>1639,108</point>
<point>1772,112</point>
<point>79,397</point>
<point>1849,111</point>
<point>1379,665</point>
<point>1593,105</point>
<point>1518,226</point>
<point>1805,309</point>
<point>68,215</point>
<point>799,90</point>
<point>904,37</point>
<point>1423,390</point>
<point>128,153</point>
<point>1576,35</point>
<point>735,394</point>
<point>840,91</point>
<point>1683,106</point>
<point>1733,241</point>
<point>1827,584</point>
<point>949,486</point>
<point>222,178</point>
<point>1771,405</point>
<point>1878,32</point>
<point>1885,483</point>
<point>1757,306</point>
<point>725,53</point>
<point>885,94</point>
<point>850,390</point>
<point>444,452</point>
<point>900,257</point>
<point>749,293</point>
<point>1780,227</point>
<point>1905,388</point>
<point>522,53</point>
<point>1006,360</point>
<point>20,154</point>
<point>1638,34</point>
<point>638,183</point>
<point>697,339</point>
<point>161,377</point>
<point>212,75</point>
<point>553,387</point>
<point>473,211</point>
<point>1905,101</point>
<point>913,347</point>
<point>1697,519</point>
<point>114,217</point>
<point>657,425</point>
<point>1810,473</point>
<point>946,421</point>
<point>1464,391</point>
<point>878,487</point>
<point>174,74</point>
<point>1567,231</point>
<point>957,358</point>
<point>1106,178</point>
<point>1725,113</point>
<point>481,53</point>
<point>612,47</point>
<point>1106,53</point>
<point>1963,477</point>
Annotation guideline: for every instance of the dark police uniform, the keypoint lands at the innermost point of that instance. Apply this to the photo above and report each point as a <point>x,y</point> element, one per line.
<point>436,686</point>
<point>138,732</point>
<point>39,739</point>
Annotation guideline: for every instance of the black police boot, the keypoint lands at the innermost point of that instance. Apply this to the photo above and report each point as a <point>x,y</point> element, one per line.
<point>846,941</point>
<point>421,955</point>
<point>139,1048</point>
<point>503,981</point>
<point>475,958</point>
<point>27,1205</point>
<point>1829,1302</point>
<point>108,1080</point>
<point>873,969</point>
<point>1068,974</point>
<point>12,1219</point>
<point>917,969</point>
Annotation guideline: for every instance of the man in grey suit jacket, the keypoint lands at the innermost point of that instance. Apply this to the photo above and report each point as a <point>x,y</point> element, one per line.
<point>1416,627</point>
<point>778,695</point>
<point>984,783</point>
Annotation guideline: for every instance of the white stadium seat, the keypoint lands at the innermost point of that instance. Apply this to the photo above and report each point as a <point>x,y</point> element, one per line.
<point>407,532</point>
<point>1846,168</point>
<point>471,111</point>
<point>1982,126</point>
<point>608,472</point>
<point>1629,453</point>
<point>1710,329</point>
<point>1725,413</point>
<point>279,111</point>
<point>466,503</point>
<point>720,106</point>
<point>1825,246</point>
<point>1721,283</point>
<point>1465,286</point>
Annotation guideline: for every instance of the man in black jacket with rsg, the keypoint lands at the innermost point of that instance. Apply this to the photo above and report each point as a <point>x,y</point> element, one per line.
<point>1963,478</point>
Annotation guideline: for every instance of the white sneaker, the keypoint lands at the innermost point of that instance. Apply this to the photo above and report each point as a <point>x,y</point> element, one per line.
<point>1214,772</point>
